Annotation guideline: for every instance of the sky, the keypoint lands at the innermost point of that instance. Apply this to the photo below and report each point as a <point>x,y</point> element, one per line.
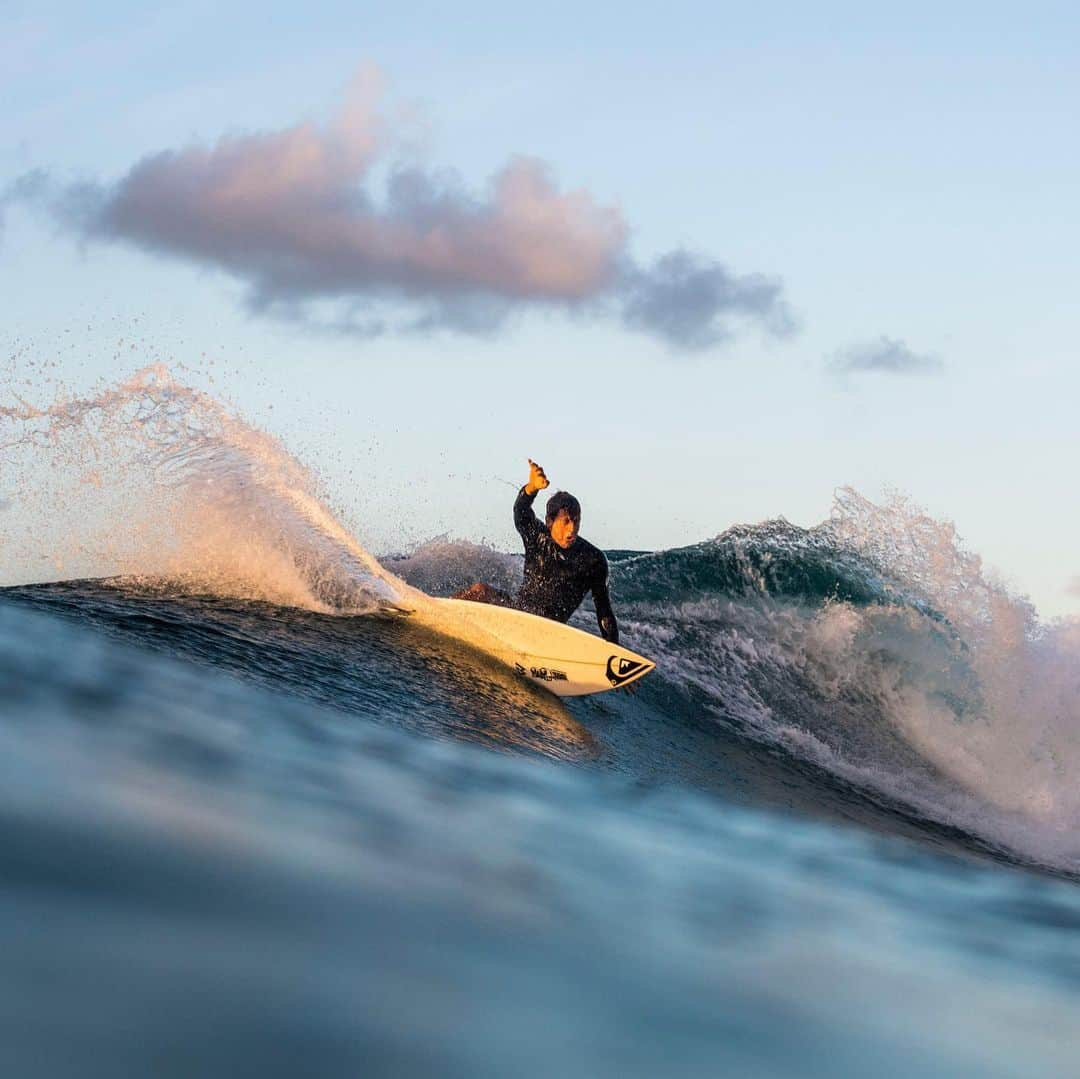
<point>705,262</point>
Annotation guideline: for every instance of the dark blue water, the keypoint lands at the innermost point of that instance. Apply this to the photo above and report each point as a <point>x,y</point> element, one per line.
<point>240,838</point>
<point>253,824</point>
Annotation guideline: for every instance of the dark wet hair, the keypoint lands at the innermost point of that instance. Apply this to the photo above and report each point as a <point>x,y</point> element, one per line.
<point>562,500</point>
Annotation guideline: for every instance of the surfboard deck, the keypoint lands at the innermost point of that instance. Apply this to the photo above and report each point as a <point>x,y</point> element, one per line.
<point>565,661</point>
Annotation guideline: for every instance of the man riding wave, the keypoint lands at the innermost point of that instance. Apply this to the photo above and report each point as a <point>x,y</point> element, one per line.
<point>560,566</point>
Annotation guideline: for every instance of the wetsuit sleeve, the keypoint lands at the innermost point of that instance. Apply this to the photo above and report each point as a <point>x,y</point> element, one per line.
<point>605,616</point>
<point>525,521</point>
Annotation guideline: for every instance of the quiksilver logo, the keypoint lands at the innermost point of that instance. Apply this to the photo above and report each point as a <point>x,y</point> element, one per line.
<point>548,674</point>
<point>620,669</point>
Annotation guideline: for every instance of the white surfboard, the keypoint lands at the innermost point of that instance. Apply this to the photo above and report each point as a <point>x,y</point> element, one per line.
<point>564,660</point>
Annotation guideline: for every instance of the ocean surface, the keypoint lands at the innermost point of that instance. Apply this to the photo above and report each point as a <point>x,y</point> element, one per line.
<point>253,822</point>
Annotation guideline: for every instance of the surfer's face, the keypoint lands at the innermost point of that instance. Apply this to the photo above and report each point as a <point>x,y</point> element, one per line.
<point>564,529</point>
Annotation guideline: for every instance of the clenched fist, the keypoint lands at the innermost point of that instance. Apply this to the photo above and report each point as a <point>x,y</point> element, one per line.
<point>537,478</point>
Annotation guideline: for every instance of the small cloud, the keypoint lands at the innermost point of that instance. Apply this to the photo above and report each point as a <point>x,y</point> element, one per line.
<point>886,355</point>
<point>691,301</point>
<point>294,215</point>
<point>1073,587</point>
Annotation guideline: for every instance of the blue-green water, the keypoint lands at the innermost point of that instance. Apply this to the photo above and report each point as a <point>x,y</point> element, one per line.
<point>251,825</point>
<point>249,839</point>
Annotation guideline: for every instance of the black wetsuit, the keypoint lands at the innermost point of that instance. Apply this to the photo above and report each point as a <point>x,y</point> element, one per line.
<point>557,578</point>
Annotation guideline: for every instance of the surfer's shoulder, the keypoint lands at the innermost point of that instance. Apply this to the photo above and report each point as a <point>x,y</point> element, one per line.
<point>591,551</point>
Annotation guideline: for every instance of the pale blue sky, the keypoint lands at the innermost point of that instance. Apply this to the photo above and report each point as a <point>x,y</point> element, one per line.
<point>910,173</point>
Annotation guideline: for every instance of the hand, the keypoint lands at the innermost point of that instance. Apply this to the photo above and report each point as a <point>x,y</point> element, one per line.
<point>537,478</point>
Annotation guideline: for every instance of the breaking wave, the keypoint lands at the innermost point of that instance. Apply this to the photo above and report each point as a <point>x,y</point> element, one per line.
<point>873,647</point>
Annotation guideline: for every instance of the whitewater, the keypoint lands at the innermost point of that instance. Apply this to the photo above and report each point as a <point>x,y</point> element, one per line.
<point>264,819</point>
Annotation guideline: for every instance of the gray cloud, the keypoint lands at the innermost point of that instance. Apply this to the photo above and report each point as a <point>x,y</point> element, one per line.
<point>690,301</point>
<point>887,356</point>
<point>26,188</point>
<point>293,214</point>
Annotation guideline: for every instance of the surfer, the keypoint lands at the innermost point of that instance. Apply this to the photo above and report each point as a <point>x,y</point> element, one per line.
<point>560,566</point>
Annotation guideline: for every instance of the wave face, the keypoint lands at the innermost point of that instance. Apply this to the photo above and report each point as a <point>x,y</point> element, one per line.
<point>215,682</point>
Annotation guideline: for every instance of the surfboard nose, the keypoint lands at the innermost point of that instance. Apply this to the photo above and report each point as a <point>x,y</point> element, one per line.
<point>622,669</point>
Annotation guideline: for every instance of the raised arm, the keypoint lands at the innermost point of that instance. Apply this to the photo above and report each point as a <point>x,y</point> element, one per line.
<point>605,616</point>
<point>525,521</point>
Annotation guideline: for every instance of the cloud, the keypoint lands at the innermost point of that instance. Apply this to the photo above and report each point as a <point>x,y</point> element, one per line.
<point>29,187</point>
<point>690,301</point>
<point>1073,587</point>
<point>296,216</point>
<point>887,356</point>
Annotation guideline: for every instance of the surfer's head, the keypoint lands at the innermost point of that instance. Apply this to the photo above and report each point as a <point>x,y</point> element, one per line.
<point>563,518</point>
